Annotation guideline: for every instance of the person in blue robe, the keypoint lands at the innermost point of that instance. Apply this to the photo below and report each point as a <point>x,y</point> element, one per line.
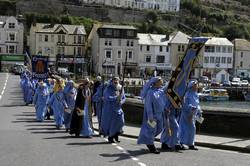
<point>58,104</point>
<point>28,90</point>
<point>70,97</point>
<point>41,99</point>
<point>190,111</point>
<point>112,119</point>
<point>154,98</point>
<point>86,130</point>
<point>98,101</point>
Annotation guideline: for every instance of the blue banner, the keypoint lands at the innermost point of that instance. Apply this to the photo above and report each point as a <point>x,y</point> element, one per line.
<point>180,77</point>
<point>40,67</point>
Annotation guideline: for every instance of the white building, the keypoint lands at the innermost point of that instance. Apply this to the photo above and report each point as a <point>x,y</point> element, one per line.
<point>242,58</point>
<point>11,36</point>
<point>161,5</point>
<point>154,54</point>
<point>109,46</point>
<point>217,56</point>
<point>63,44</point>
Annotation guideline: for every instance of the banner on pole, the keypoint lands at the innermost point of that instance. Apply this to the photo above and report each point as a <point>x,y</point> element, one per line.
<point>40,67</point>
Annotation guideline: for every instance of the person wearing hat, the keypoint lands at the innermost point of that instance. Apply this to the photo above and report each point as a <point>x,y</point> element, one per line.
<point>112,119</point>
<point>154,98</point>
<point>190,111</point>
<point>58,104</point>
<point>41,99</point>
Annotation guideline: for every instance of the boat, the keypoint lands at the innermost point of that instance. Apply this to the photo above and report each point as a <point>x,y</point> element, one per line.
<point>246,96</point>
<point>214,95</point>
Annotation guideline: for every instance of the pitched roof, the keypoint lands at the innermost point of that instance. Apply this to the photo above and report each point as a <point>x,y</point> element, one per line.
<point>179,38</point>
<point>242,44</point>
<point>152,39</point>
<point>219,41</point>
<point>51,28</point>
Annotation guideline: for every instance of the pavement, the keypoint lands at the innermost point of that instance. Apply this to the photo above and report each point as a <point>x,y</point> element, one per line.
<point>216,142</point>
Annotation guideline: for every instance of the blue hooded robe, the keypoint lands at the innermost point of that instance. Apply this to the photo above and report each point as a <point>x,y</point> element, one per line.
<point>58,104</point>
<point>112,119</point>
<point>155,100</point>
<point>70,97</point>
<point>28,90</point>
<point>86,130</point>
<point>97,99</point>
<point>41,99</point>
<point>190,111</point>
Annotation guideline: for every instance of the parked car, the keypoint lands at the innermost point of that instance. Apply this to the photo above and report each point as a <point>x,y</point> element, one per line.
<point>236,82</point>
<point>226,83</point>
<point>244,83</point>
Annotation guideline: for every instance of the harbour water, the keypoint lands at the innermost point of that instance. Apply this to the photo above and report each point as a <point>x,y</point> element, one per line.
<point>228,104</point>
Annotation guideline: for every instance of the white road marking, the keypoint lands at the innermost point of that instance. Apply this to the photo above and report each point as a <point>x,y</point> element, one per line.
<point>127,153</point>
<point>4,87</point>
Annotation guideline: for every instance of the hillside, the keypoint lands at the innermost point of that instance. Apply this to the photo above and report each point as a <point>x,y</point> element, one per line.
<point>229,18</point>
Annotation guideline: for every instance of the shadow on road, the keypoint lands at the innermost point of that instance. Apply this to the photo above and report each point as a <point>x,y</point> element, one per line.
<point>88,143</point>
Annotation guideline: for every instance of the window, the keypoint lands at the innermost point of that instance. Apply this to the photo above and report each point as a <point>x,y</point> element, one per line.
<point>129,54</point>
<point>167,49</point>
<point>179,48</point>
<point>63,38</point>
<point>106,42</point>
<point>11,49</point>
<point>74,50</point>
<point>119,42</point>
<point>11,25</point>
<point>79,39</point>
<point>0,49</point>
<point>119,54</point>
<point>108,32</point>
<point>46,38</point>
<point>79,51</point>
<point>132,43</point>
<point>224,49</point>
<point>229,60</point>
<point>140,47</point>
<point>217,60</point>
<point>108,54</point>
<point>160,59</point>
<point>60,50</point>
<point>59,38</point>
<point>206,59</point>
<point>148,48</point>
<point>160,49</point>
<point>229,49</point>
<point>128,43</point>
<point>182,48</point>
<point>223,60</point>
<point>241,54</point>
<point>218,49</point>
<point>52,38</point>
<point>241,64</point>
<point>110,43</point>
<point>209,48</point>
<point>148,58</point>
<point>40,38</point>
<point>12,37</point>
<point>116,33</point>
<point>130,33</point>
<point>211,59</point>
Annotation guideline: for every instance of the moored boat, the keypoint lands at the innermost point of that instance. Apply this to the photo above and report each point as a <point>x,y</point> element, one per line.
<point>214,95</point>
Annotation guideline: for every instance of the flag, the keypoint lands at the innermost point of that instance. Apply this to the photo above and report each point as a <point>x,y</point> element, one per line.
<point>178,83</point>
<point>28,61</point>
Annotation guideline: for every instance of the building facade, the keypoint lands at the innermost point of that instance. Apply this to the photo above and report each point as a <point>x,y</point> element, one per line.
<point>63,44</point>
<point>161,5</point>
<point>110,44</point>
<point>11,39</point>
<point>154,54</point>
<point>217,56</point>
<point>241,58</point>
